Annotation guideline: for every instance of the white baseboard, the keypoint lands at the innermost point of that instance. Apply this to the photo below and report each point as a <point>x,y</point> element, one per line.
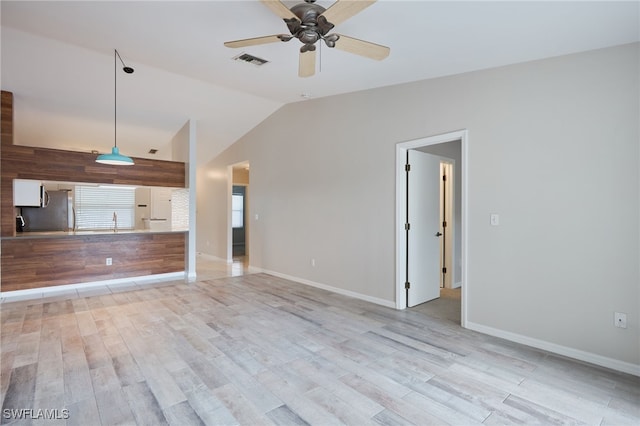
<point>256,270</point>
<point>603,361</point>
<point>49,291</point>
<point>212,257</point>
<point>376,300</point>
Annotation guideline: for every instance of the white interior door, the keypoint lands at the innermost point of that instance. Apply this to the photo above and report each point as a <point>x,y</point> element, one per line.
<point>423,254</point>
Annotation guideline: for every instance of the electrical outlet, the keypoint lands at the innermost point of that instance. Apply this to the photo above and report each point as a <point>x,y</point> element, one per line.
<point>620,319</point>
<point>109,261</point>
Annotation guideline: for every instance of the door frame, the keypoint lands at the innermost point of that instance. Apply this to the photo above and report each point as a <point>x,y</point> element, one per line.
<point>447,205</point>
<point>401,208</point>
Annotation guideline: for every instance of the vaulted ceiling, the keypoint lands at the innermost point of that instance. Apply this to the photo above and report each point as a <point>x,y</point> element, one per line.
<point>57,59</point>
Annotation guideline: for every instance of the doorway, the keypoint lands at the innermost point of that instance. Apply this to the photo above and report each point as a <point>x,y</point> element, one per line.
<point>238,232</point>
<point>238,220</point>
<point>441,146</point>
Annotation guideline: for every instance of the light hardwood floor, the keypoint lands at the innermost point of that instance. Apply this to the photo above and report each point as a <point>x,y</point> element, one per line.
<point>255,349</point>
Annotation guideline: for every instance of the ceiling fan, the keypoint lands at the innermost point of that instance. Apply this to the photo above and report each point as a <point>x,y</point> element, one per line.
<point>309,22</point>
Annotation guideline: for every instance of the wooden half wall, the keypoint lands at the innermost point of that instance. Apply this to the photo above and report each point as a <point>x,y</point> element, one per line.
<point>29,263</point>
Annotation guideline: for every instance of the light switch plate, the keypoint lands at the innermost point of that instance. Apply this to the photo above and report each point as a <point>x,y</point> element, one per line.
<point>494,219</point>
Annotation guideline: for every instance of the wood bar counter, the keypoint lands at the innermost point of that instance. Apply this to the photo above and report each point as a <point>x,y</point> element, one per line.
<point>37,260</point>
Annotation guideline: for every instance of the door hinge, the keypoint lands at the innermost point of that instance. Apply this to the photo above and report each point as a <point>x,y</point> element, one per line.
<point>407,167</point>
<point>407,285</point>
<point>444,177</point>
<point>407,226</point>
<point>444,270</point>
<point>444,224</point>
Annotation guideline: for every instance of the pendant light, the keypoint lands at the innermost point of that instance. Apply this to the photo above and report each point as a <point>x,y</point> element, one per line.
<point>115,158</point>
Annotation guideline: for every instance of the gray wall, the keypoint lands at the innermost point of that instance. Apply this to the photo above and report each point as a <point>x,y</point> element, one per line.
<point>553,148</point>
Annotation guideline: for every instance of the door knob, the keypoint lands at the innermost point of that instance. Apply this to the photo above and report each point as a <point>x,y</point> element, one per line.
<point>438,234</point>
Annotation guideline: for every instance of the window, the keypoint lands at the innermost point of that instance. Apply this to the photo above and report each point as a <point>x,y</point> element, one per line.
<point>237,211</point>
<point>96,205</point>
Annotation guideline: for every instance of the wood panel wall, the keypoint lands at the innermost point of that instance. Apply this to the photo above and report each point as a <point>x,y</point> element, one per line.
<point>6,140</point>
<point>27,162</point>
<point>6,118</point>
<point>44,262</point>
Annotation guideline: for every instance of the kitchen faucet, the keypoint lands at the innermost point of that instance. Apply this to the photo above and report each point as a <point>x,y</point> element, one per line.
<point>115,222</point>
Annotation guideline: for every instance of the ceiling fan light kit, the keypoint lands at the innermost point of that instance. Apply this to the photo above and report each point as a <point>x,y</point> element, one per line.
<point>309,23</point>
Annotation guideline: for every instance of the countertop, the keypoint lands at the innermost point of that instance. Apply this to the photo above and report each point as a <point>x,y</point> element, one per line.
<point>64,234</point>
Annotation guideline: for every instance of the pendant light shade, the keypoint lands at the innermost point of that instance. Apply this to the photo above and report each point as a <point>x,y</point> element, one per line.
<point>115,158</point>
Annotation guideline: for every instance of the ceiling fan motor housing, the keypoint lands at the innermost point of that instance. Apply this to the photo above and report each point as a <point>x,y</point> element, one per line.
<point>307,12</point>
<point>311,27</point>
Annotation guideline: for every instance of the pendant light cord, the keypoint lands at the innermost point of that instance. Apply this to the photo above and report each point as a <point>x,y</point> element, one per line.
<point>115,98</point>
<point>115,158</point>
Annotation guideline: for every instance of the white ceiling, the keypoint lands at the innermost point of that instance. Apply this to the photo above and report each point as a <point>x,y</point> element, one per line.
<point>57,58</point>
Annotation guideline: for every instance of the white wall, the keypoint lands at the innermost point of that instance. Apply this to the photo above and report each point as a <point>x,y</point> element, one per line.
<point>184,148</point>
<point>553,148</point>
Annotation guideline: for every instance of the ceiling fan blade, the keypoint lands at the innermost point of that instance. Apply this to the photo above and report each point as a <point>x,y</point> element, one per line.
<point>362,48</point>
<point>279,9</point>
<point>255,41</point>
<point>307,66</point>
<point>342,10</point>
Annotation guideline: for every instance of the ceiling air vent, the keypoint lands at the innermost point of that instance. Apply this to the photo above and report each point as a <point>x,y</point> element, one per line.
<point>245,57</point>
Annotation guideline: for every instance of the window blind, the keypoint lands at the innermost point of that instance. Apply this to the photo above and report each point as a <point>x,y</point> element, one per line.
<point>95,207</point>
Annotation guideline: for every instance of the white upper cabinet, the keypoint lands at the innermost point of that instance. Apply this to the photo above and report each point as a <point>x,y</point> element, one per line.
<point>27,193</point>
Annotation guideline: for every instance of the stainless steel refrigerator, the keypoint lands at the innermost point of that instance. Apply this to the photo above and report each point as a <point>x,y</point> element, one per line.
<point>54,217</point>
